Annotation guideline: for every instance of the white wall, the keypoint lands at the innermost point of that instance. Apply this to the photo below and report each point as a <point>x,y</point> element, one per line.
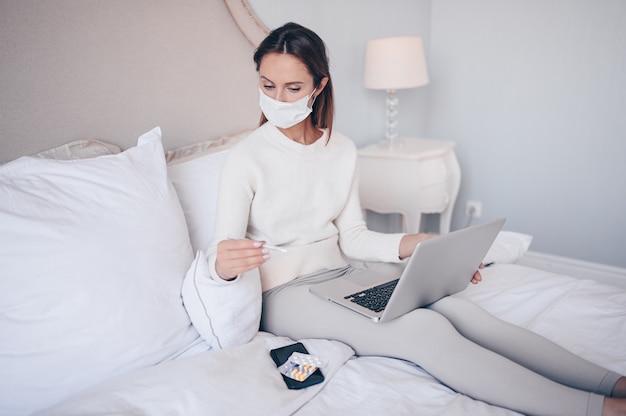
<point>533,92</point>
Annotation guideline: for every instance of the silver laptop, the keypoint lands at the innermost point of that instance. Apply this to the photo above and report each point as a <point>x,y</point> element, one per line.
<point>439,267</point>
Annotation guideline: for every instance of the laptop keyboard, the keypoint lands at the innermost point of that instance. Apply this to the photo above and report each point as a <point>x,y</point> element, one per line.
<point>375,298</point>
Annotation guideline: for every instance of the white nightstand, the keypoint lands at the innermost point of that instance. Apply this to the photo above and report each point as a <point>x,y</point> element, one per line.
<point>411,177</point>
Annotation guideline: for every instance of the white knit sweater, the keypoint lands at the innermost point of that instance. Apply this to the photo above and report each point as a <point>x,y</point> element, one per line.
<point>303,198</point>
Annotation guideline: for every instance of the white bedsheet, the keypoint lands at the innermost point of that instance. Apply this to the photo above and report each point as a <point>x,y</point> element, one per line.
<point>586,317</point>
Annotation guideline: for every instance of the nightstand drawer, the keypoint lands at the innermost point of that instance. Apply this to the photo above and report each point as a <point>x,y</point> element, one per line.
<point>413,177</point>
<point>384,185</point>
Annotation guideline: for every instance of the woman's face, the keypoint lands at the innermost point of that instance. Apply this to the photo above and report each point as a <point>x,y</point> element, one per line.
<point>284,77</point>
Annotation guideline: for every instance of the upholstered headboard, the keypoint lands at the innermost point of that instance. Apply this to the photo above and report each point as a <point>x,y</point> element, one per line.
<point>114,69</point>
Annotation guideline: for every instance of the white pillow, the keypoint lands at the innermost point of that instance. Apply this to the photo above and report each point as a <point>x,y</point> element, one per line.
<point>226,314</point>
<point>508,247</point>
<point>194,171</point>
<point>93,254</point>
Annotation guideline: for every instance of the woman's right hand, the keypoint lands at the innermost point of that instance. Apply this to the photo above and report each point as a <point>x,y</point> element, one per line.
<point>237,256</point>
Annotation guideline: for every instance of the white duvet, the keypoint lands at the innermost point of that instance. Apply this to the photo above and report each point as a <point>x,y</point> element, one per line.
<point>241,380</point>
<point>586,317</point>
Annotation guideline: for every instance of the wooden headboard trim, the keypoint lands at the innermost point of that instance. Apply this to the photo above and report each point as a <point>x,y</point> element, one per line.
<point>249,24</point>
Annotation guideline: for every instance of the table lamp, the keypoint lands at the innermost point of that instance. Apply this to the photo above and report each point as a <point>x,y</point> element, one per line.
<point>391,64</point>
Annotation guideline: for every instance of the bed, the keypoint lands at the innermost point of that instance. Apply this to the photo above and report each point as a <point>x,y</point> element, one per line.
<point>103,309</point>
<point>94,320</point>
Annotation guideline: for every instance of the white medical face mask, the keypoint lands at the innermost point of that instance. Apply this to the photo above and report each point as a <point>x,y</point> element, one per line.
<point>285,115</point>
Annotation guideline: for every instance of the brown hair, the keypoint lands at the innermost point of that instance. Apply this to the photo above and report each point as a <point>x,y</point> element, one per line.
<point>308,47</point>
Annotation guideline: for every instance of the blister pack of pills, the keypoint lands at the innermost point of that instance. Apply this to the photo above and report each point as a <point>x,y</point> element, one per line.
<point>300,366</point>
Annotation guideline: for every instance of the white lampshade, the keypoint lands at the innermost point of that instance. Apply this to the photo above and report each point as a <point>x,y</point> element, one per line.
<point>395,63</point>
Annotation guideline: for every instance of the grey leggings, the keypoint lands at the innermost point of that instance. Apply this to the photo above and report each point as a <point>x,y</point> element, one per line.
<point>456,341</point>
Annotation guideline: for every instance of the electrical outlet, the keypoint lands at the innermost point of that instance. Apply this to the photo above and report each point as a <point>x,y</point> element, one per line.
<point>474,209</point>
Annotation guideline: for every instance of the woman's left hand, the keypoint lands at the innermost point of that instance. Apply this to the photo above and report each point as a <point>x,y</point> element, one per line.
<point>477,278</point>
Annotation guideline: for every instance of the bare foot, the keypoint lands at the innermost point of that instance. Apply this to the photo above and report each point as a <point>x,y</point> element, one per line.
<point>614,407</point>
<point>619,390</point>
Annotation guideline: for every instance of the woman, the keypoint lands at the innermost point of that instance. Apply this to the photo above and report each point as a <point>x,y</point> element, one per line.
<point>292,183</point>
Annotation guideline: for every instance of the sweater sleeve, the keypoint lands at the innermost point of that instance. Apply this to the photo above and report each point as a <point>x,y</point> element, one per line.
<point>356,240</point>
<point>233,207</point>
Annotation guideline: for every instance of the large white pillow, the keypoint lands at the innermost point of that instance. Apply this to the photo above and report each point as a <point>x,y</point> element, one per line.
<point>92,258</point>
<point>194,171</point>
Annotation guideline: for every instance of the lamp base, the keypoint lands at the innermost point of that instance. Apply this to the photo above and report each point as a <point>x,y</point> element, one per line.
<point>392,112</point>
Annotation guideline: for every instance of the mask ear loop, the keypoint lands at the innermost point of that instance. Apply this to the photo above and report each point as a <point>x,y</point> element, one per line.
<point>312,102</point>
